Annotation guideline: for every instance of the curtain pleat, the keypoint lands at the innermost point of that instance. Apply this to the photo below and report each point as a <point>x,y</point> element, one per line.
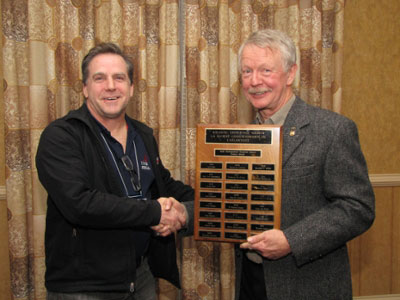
<point>215,31</point>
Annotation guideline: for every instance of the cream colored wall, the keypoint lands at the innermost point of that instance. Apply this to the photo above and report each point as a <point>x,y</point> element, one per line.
<point>371,79</point>
<point>371,97</point>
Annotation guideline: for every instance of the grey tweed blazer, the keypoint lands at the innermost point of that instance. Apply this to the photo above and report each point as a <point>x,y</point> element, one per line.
<point>327,200</point>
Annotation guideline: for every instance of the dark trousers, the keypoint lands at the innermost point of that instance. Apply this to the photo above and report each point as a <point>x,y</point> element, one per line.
<point>145,289</point>
<point>252,285</point>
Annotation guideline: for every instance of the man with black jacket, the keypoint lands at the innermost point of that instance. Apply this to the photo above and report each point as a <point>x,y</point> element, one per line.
<point>112,205</point>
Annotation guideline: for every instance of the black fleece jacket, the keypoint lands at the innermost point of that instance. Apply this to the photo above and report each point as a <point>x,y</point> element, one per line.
<point>89,222</point>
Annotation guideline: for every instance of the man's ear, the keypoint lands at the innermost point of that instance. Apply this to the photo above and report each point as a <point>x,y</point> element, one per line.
<point>84,91</point>
<point>292,74</point>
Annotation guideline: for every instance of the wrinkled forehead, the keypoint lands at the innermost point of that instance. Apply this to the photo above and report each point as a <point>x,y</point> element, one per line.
<point>256,53</point>
<point>108,60</point>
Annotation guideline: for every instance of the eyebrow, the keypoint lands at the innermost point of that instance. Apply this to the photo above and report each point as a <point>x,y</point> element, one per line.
<point>114,74</point>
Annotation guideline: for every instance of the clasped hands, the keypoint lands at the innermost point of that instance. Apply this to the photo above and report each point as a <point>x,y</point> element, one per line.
<point>173,216</point>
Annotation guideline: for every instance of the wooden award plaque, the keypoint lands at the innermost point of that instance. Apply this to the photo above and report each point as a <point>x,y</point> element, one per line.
<point>238,181</point>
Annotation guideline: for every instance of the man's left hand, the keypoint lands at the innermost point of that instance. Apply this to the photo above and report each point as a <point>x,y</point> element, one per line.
<point>271,244</point>
<point>176,221</point>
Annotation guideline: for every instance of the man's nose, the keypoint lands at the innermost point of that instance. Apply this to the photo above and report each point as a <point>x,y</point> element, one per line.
<point>110,84</point>
<point>255,78</point>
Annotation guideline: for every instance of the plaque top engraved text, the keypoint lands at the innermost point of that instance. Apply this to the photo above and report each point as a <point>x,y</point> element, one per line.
<point>238,136</point>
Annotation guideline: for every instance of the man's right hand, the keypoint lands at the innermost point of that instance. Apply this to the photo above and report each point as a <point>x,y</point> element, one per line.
<point>173,216</point>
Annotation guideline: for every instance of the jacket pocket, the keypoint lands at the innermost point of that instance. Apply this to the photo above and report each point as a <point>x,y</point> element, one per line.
<point>298,171</point>
<point>107,254</point>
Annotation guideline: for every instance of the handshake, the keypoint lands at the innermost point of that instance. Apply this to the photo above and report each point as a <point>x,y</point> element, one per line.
<point>173,216</point>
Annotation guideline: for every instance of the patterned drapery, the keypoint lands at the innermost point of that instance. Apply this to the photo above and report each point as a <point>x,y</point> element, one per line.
<point>214,33</point>
<point>44,42</point>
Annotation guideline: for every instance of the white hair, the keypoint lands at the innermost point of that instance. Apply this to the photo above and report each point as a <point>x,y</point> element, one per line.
<point>273,39</point>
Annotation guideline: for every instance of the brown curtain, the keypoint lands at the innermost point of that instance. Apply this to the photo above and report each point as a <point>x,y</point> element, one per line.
<point>44,42</point>
<point>214,33</point>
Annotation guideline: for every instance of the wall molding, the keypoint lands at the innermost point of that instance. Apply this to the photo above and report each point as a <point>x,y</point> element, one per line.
<point>385,179</point>
<point>379,297</point>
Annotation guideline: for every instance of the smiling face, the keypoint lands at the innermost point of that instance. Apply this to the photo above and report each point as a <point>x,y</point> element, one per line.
<point>265,83</point>
<point>107,88</point>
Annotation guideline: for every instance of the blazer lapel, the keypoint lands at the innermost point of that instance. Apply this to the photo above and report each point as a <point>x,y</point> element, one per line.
<point>294,128</point>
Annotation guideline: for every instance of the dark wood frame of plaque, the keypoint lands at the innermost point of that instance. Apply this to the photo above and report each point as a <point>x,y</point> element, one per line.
<point>238,181</point>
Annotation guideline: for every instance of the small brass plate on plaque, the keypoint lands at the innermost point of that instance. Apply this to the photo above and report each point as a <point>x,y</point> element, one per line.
<point>238,181</point>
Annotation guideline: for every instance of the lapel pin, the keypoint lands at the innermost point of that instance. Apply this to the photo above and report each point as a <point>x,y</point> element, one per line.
<point>292,131</point>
